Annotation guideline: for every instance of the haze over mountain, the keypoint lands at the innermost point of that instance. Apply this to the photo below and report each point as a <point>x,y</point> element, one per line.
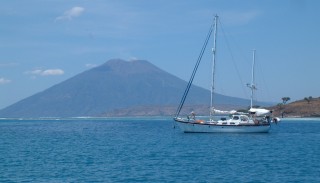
<point>113,86</point>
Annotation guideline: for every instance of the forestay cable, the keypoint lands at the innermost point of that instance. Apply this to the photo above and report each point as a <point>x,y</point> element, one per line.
<point>194,72</point>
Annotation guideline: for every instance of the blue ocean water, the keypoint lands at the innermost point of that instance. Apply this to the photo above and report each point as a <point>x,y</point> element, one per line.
<point>151,150</point>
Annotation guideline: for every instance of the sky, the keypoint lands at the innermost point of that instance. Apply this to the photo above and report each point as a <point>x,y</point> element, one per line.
<point>45,42</point>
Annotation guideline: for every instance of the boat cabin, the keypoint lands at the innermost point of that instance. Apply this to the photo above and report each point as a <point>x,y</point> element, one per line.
<point>235,119</point>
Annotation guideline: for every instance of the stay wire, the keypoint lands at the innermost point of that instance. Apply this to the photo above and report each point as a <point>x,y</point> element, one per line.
<point>233,59</point>
<point>194,72</point>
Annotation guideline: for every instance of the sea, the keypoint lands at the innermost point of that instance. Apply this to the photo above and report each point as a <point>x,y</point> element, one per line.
<point>153,149</point>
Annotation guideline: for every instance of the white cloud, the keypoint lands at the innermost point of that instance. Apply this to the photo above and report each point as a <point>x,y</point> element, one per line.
<point>4,81</point>
<point>133,59</point>
<point>47,72</point>
<point>91,65</point>
<point>35,72</point>
<point>10,64</point>
<point>51,72</point>
<point>72,13</point>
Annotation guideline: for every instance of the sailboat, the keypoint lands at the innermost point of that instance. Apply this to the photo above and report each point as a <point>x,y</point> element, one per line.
<point>256,121</point>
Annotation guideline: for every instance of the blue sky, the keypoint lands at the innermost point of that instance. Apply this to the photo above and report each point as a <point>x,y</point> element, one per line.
<point>44,42</point>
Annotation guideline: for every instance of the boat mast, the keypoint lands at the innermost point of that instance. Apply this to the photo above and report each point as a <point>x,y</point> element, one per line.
<point>214,49</point>
<point>252,85</point>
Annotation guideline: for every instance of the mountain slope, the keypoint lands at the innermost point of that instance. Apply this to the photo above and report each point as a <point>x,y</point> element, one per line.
<point>117,84</point>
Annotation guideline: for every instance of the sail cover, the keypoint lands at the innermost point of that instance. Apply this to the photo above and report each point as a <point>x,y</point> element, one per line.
<point>260,112</point>
<point>216,111</point>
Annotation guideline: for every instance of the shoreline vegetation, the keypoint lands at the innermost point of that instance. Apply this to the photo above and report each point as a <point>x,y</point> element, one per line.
<point>306,108</point>
<point>125,118</point>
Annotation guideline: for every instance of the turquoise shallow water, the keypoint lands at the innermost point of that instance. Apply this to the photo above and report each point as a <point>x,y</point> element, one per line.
<point>150,150</point>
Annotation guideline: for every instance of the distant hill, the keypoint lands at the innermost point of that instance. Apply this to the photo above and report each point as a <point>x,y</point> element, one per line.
<point>113,87</point>
<point>299,108</point>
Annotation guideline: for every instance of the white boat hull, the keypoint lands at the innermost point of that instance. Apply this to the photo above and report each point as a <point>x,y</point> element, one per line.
<point>191,127</point>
